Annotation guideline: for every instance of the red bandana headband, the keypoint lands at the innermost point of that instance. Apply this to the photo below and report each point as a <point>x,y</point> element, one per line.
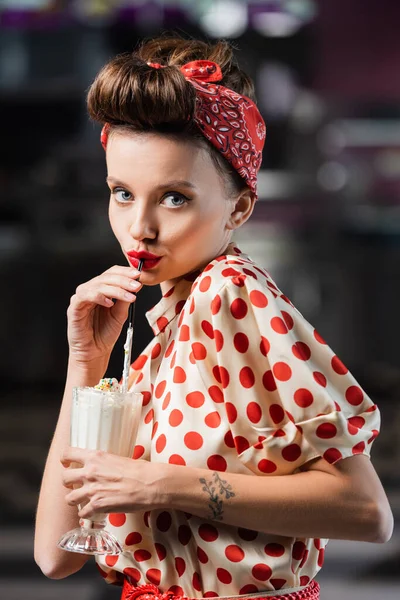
<point>230,121</point>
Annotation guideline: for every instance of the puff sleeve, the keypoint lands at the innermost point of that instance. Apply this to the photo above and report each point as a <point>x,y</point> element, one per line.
<point>288,397</point>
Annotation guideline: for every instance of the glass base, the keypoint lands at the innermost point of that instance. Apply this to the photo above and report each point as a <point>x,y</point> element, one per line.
<point>90,539</point>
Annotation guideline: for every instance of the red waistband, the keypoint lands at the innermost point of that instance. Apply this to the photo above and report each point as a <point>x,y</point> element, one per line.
<point>151,592</point>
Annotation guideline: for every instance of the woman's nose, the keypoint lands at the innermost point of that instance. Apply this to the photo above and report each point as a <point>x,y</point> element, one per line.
<point>143,223</point>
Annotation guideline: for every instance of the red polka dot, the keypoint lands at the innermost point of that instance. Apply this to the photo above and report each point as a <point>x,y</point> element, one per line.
<point>279,325</point>
<point>301,351</point>
<point>193,440</point>
<point>261,572</point>
<point>246,377</point>
<point>274,549</point>
<point>230,272</point>
<point>138,451</point>
<point>216,463</point>
<point>184,333</point>
<point>192,306</point>
<point>234,553</point>
<point>133,538</point>
<point>154,576</point>
<point>240,280</point>
<point>164,521</point>
<point>176,459</point>
<point>196,581</point>
<point>134,574</point>
<point>326,431</point>
<point>160,388</point>
<point>319,337</point>
<point>179,375</point>
<point>149,416</point>
<point>247,534</point>
<point>162,322</point>
<point>161,443</point>
<point>216,305</point>
<point>269,381</point>
<point>202,556</point>
<point>169,292</point>
<point>224,576</point>
<point>248,589</point>
<point>241,342</point>
<point>213,419</point>
<point>277,413</point>
<point>320,378</point>
<point>254,412</point>
<point>181,316</point>
<point>239,308</point>
<point>141,555</point>
<point>264,346</point>
<point>156,351</point>
<point>146,398</point>
<point>321,554</point>
<point>291,452</point>
<point>282,371</point>
<point>231,412</point>
<point>199,351</point>
<point>338,366</point>
<point>219,340</point>
<point>258,299</point>
<point>298,550</point>
<point>221,375</point>
<point>169,349</point>
<point>154,430</point>
<point>210,594</point>
<point>205,284</point>
<point>288,319</point>
<point>111,560</point>
<point>216,394</point>
<point>354,424</point>
<point>303,398</point>
<point>267,466</point>
<point>354,395</point>
<point>161,551</point>
<point>208,532</point>
<point>139,377</point>
<point>358,448</point>
<point>304,580</point>
<point>117,519</point>
<point>374,435</point>
<point>175,418</point>
<point>179,306</point>
<point>228,439</point>
<point>166,400</point>
<point>184,534</point>
<point>332,455</point>
<point>208,329</point>
<point>195,399</point>
<point>139,362</point>
<point>180,565</point>
<point>241,443</point>
<point>278,583</point>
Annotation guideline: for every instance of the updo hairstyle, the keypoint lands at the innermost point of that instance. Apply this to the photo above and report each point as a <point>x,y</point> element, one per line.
<point>132,96</point>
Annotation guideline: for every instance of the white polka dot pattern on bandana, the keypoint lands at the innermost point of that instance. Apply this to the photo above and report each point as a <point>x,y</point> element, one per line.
<point>234,380</point>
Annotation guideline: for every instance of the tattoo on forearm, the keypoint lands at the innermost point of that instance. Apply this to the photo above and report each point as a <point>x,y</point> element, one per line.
<point>217,489</point>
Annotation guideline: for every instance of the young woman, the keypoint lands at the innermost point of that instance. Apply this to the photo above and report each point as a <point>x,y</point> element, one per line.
<point>254,444</point>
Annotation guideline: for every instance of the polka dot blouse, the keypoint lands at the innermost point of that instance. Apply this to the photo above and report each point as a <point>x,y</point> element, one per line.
<point>234,380</point>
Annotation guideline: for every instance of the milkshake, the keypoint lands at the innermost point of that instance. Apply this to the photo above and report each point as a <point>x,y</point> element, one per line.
<point>102,418</point>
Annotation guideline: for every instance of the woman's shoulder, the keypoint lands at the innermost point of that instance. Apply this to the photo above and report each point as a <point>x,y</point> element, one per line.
<point>237,275</point>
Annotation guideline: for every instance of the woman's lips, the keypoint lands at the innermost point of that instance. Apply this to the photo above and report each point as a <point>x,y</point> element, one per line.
<point>148,263</point>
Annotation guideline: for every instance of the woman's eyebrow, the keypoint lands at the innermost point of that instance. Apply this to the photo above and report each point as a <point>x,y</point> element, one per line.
<point>168,184</point>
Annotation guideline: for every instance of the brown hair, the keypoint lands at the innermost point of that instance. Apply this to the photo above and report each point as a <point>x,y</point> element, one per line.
<point>133,96</point>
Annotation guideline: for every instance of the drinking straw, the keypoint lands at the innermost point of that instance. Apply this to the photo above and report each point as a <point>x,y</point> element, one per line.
<point>128,342</point>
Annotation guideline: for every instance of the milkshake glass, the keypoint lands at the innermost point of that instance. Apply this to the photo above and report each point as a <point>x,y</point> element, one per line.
<point>101,420</point>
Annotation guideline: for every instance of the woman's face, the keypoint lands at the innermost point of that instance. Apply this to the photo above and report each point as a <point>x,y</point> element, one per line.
<point>168,199</point>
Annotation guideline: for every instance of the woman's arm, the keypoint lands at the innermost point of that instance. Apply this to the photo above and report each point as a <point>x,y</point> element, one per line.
<point>342,501</point>
<point>54,517</point>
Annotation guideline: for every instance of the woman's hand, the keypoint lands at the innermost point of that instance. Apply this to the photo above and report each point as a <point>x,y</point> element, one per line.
<point>94,320</point>
<point>109,483</point>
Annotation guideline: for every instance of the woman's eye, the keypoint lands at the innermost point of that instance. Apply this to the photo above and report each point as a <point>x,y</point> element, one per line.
<point>175,199</point>
<point>122,195</point>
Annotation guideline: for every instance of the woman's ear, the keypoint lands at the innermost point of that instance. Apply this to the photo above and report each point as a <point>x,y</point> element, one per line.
<point>242,209</point>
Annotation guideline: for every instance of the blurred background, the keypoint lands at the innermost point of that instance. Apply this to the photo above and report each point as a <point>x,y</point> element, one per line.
<point>327,225</point>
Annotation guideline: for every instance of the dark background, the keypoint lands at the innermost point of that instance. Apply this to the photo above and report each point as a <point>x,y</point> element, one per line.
<point>327,224</point>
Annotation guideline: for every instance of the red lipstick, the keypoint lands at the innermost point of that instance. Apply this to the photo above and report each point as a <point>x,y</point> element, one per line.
<point>149,260</point>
